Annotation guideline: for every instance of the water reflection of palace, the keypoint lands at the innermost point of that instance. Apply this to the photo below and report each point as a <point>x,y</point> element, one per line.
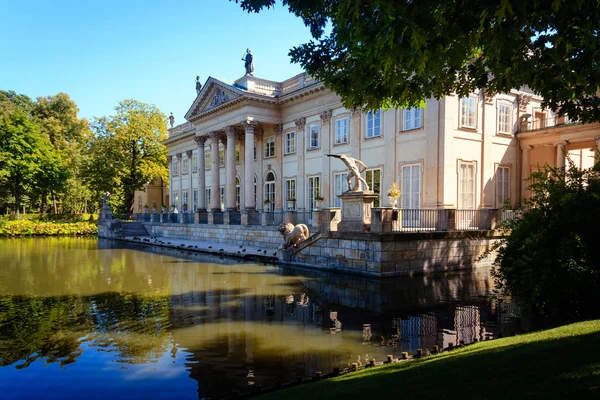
<point>251,325</point>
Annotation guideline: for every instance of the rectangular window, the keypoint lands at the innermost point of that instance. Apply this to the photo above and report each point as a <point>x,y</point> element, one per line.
<point>195,163</point>
<point>222,197</point>
<point>207,160</point>
<point>185,197</point>
<point>195,194</point>
<point>237,153</point>
<point>185,166</point>
<point>468,112</point>
<point>341,131</point>
<point>221,158</point>
<point>466,186</point>
<point>340,186</point>
<point>412,118</point>
<point>175,167</point>
<point>373,125</point>
<point>410,192</point>
<point>176,197</point>
<point>313,137</point>
<point>314,190</point>
<point>502,185</point>
<point>270,147</point>
<point>504,118</point>
<point>290,142</point>
<point>373,178</point>
<point>290,192</point>
<point>254,153</point>
<point>237,193</point>
<point>207,197</point>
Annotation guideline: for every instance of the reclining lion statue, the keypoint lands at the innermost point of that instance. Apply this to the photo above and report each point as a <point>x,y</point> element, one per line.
<point>292,235</point>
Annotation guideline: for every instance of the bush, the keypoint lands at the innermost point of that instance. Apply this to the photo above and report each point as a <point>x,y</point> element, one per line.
<point>551,258</point>
<point>32,228</point>
<point>50,217</point>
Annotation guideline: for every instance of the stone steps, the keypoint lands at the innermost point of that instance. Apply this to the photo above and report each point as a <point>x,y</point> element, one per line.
<point>133,229</point>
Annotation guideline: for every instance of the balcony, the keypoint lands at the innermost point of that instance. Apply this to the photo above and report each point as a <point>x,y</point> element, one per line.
<point>538,124</point>
<point>180,129</point>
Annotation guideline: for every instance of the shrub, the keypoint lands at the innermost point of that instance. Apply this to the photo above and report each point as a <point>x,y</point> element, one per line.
<point>31,228</point>
<point>551,258</point>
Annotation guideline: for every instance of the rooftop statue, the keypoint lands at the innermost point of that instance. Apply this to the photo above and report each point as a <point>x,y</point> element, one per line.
<point>172,120</point>
<point>353,171</point>
<point>248,59</point>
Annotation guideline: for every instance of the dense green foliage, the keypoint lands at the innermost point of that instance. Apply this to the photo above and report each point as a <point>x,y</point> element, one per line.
<point>127,153</point>
<point>25,227</point>
<point>561,363</point>
<point>551,258</point>
<point>386,53</point>
<point>50,156</point>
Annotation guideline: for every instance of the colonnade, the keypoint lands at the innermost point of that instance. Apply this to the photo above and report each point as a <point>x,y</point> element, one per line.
<point>227,137</point>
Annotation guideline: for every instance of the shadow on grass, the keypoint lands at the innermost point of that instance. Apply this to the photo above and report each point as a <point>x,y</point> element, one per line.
<point>557,364</point>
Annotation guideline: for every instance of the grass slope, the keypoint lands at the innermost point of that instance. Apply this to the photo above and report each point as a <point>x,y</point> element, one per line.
<point>561,363</point>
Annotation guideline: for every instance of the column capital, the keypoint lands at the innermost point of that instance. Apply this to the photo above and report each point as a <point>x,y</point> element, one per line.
<point>214,136</point>
<point>523,100</point>
<point>230,131</point>
<point>200,140</point>
<point>169,159</point>
<point>189,153</point>
<point>562,143</point>
<point>249,126</point>
<point>300,122</point>
<point>356,111</point>
<point>526,147</point>
<point>179,156</point>
<point>325,116</point>
<point>277,128</point>
<point>488,97</point>
<point>597,141</point>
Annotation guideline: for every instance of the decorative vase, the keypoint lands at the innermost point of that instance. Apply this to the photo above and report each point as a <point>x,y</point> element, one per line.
<point>153,209</point>
<point>164,209</point>
<point>393,201</point>
<point>318,204</point>
<point>291,204</point>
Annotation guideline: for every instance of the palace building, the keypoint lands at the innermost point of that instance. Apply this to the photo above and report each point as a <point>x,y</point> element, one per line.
<point>255,144</point>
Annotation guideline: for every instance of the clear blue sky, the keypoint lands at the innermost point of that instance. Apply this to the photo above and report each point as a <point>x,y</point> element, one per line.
<point>102,52</point>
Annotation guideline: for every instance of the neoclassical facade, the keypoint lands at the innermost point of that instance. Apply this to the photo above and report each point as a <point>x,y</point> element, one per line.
<point>254,144</point>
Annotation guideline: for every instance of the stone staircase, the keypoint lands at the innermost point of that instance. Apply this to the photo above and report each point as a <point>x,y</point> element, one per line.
<point>133,229</point>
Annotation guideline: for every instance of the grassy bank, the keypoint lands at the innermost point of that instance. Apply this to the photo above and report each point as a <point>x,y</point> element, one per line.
<point>21,228</point>
<point>560,363</point>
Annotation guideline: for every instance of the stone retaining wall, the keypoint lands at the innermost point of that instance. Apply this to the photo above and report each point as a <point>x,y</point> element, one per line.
<point>398,253</point>
<point>249,235</point>
<point>373,254</point>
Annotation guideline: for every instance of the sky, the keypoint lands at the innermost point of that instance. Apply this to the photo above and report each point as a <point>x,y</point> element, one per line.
<point>103,52</point>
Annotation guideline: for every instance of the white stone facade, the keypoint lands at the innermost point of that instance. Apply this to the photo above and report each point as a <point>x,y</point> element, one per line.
<point>274,136</point>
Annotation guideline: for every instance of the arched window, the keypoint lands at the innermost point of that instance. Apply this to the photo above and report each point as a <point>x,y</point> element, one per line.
<point>270,191</point>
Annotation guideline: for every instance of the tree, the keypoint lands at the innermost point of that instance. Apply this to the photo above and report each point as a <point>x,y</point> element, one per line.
<point>550,259</point>
<point>384,53</point>
<point>127,152</point>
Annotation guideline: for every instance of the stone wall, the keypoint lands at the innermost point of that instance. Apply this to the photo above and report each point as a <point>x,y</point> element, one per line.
<point>249,235</point>
<point>359,253</point>
<point>398,253</point>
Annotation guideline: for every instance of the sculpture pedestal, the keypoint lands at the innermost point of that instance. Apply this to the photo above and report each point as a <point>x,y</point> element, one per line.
<point>356,211</point>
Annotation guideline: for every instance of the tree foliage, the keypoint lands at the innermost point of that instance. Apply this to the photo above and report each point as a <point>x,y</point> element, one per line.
<point>127,152</point>
<point>551,259</point>
<point>383,53</point>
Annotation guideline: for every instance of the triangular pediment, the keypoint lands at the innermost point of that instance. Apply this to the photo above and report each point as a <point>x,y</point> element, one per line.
<point>214,94</point>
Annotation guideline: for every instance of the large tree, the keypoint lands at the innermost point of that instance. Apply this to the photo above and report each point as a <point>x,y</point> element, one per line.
<point>127,152</point>
<point>376,53</point>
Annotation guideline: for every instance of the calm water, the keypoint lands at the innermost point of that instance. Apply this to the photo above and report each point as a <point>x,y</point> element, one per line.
<point>86,319</point>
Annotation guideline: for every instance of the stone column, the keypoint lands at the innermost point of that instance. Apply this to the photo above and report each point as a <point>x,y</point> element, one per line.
<point>326,145</point>
<point>301,196</point>
<point>597,149</point>
<point>249,203</point>
<point>171,182</point>
<point>189,154</point>
<point>560,154</point>
<point>230,168</point>
<point>179,170</point>
<point>200,141</point>
<point>525,169</point>
<point>215,192</point>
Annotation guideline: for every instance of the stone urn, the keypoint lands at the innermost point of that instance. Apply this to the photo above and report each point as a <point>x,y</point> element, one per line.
<point>393,201</point>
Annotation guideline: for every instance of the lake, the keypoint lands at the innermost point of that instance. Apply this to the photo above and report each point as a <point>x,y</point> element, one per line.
<point>95,319</point>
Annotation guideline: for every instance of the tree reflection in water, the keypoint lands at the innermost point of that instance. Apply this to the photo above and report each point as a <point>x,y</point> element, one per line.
<point>234,325</point>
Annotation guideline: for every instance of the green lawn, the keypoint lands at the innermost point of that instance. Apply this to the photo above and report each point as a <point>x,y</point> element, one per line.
<point>561,363</point>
